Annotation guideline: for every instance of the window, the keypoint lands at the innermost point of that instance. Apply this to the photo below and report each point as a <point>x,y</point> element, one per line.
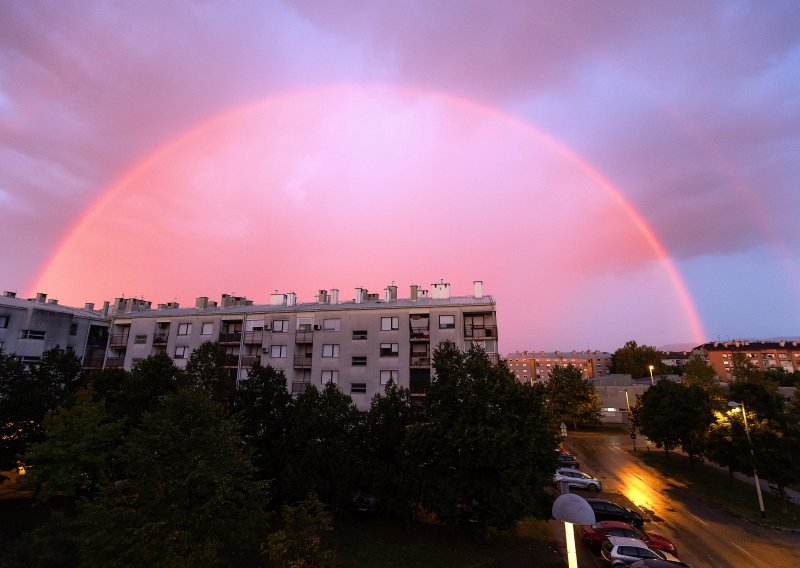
<point>277,351</point>
<point>359,334</point>
<point>280,326</point>
<point>390,349</point>
<point>305,324</point>
<point>387,376</point>
<point>73,329</point>
<point>330,377</point>
<point>207,328</point>
<point>181,352</point>
<point>3,321</point>
<point>330,350</point>
<point>447,322</point>
<point>331,325</point>
<point>360,361</point>
<point>390,323</point>
<point>184,328</point>
<point>358,388</point>
<point>33,334</point>
<point>140,339</point>
<point>254,325</point>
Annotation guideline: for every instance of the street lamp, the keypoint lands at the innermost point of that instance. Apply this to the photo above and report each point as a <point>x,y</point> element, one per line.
<point>752,455</point>
<point>651,374</point>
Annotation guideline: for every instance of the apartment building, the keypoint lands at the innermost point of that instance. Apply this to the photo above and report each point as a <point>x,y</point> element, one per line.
<point>360,344</point>
<point>29,327</point>
<point>535,366</point>
<point>764,355</point>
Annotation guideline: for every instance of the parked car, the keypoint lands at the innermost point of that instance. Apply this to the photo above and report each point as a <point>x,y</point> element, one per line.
<point>566,459</point>
<point>605,510</point>
<point>577,479</point>
<point>657,563</point>
<point>618,551</point>
<point>594,535</point>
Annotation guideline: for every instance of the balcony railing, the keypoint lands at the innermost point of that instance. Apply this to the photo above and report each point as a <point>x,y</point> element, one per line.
<point>118,340</point>
<point>299,387</point>
<point>304,337</point>
<point>251,337</point>
<point>250,360</point>
<point>230,337</point>
<point>115,362</point>
<point>420,335</point>
<point>160,338</point>
<point>480,331</point>
<point>302,361</point>
<point>419,387</point>
<point>93,361</point>
<point>231,360</point>
<point>420,361</point>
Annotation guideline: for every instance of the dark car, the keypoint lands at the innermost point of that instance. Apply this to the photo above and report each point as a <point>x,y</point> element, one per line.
<point>594,535</point>
<point>605,510</point>
<point>566,459</point>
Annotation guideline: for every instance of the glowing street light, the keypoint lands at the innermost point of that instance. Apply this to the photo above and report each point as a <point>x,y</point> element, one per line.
<point>651,375</point>
<point>752,455</point>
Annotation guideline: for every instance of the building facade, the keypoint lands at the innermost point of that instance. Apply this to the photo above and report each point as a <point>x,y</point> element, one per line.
<point>29,327</point>
<point>535,366</point>
<point>360,344</point>
<point>764,355</point>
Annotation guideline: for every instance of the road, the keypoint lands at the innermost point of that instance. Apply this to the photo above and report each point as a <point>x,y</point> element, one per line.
<point>707,536</point>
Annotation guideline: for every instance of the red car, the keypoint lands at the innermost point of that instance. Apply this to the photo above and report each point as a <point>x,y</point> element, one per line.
<point>594,535</point>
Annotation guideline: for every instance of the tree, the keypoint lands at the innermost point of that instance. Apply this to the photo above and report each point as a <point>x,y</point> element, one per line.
<point>76,453</point>
<point>187,497</point>
<point>727,444</point>
<point>776,449</point>
<point>634,360</point>
<point>264,406</point>
<point>326,430</point>
<point>745,370</point>
<point>697,371</point>
<point>205,370</point>
<point>298,544</point>
<point>485,450</point>
<point>760,397</point>
<point>672,414</point>
<point>571,397</point>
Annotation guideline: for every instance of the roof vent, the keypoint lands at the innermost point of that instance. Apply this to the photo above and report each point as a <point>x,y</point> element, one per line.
<point>9,294</point>
<point>41,297</point>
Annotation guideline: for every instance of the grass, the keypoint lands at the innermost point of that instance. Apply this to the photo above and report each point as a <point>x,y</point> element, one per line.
<point>382,543</point>
<point>739,497</point>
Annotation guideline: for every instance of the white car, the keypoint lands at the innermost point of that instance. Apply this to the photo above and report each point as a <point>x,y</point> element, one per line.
<point>577,479</point>
<point>618,551</point>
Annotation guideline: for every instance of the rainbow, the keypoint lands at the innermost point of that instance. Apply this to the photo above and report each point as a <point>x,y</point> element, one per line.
<point>609,188</point>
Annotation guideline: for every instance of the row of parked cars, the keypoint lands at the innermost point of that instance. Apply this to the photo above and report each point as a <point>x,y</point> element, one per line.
<point>617,535</point>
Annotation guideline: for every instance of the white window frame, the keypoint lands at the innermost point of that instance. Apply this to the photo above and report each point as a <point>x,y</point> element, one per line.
<point>305,324</point>
<point>443,321</point>
<point>181,351</point>
<point>334,324</point>
<point>329,376</point>
<point>389,374</point>
<point>390,323</point>
<point>184,329</point>
<point>277,351</point>
<point>207,328</point>
<point>330,350</point>
<point>280,326</point>
<point>360,386</point>
<point>392,348</point>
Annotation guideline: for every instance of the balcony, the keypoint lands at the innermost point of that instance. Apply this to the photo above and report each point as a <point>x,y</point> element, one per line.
<point>302,361</point>
<point>420,361</point>
<point>250,360</point>
<point>480,331</point>
<point>304,337</point>
<point>160,338</point>
<point>420,335</point>
<point>118,340</point>
<point>254,337</point>
<point>231,360</point>
<point>115,362</point>
<point>230,337</point>
<point>93,361</point>
<point>299,387</point>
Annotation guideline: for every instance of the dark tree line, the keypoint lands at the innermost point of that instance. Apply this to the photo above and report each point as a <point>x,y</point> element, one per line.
<point>170,467</point>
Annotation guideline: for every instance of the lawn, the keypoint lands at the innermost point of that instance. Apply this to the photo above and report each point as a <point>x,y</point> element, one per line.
<point>382,543</point>
<point>739,497</point>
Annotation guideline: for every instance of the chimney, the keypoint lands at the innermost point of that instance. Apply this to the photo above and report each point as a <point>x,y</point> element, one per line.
<point>201,303</point>
<point>478,288</point>
<point>333,296</point>
<point>105,308</point>
<point>162,306</point>
<point>52,301</point>
<point>423,294</point>
<point>277,299</point>
<point>414,292</point>
<point>89,306</point>
<point>361,295</point>
<point>291,299</point>
<point>322,297</point>
<point>9,294</point>
<point>440,290</point>
<point>41,297</point>
<point>391,293</point>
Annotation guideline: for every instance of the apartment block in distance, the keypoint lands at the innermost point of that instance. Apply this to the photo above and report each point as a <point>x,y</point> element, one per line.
<point>360,344</point>
<point>535,366</point>
<point>29,327</point>
<point>764,355</point>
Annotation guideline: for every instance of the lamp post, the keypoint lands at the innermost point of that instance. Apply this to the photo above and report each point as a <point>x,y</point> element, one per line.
<point>651,375</point>
<point>752,455</point>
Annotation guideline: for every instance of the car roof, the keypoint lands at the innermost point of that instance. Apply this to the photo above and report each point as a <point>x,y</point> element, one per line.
<point>616,525</point>
<point>597,500</point>
<point>568,469</point>
<point>626,541</point>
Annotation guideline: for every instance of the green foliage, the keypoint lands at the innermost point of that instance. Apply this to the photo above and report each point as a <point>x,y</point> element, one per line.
<point>571,397</point>
<point>485,450</point>
<point>698,372</point>
<point>744,370</point>
<point>727,444</point>
<point>298,544</point>
<point>205,371</point>
<point>634,359</point>
<point>760,397</point>
<point>325,446</point>
<point>76,453</point>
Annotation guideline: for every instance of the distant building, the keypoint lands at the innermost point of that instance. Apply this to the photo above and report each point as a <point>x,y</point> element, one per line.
<point>764,355</point>
<point>360,344</point>
<point>535,366</point>
<point>29,327</point>
<point>675,358</point>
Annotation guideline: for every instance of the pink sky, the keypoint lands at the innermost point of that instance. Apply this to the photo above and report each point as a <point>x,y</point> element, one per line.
<point>185,149</point>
